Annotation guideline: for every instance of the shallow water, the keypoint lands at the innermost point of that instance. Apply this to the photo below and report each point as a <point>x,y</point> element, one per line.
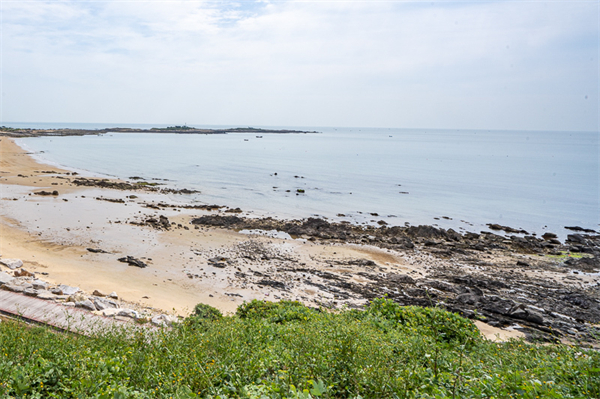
<point>538,181</point>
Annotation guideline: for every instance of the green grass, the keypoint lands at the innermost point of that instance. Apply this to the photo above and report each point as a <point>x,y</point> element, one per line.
<point>566,255</point>
<point>286,350</point>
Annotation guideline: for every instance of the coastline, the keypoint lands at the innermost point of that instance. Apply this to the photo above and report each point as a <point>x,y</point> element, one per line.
<point>212,262</point>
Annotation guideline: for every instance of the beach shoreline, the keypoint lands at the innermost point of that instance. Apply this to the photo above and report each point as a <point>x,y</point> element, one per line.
<point>201,254</point>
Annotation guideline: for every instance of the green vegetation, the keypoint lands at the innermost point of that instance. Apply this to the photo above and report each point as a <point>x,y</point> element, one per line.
<point>566,255</point>
<point>286,350</point>
<point>11,129</point>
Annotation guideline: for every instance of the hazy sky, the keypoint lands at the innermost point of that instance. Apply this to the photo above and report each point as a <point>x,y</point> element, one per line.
<point>413,64</point>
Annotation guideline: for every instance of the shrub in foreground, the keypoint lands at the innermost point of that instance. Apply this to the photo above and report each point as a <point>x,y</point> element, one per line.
<point>285,350</point>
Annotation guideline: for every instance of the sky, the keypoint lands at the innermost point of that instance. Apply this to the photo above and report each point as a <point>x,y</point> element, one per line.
<point>514,65</point>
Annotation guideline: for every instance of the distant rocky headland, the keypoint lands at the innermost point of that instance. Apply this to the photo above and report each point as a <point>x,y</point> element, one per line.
<point>29,132</point>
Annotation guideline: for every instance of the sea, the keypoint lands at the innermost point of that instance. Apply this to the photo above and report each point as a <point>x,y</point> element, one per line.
<point>538,181</point>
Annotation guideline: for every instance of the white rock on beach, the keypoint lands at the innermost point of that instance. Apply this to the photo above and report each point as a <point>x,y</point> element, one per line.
<point>12,263</point>
<point>108,312</point>
<point>87,305</point>
<point>68,290</point>
<point>43,294</point>
<point>5,278</point>
<point>39,284</point>
<point>128,313</point>
<point>16,287</point>
<point>162,320</point>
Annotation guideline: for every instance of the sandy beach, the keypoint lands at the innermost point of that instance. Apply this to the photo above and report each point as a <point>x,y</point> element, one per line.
<point>191,259</point>
<point>52,233</point>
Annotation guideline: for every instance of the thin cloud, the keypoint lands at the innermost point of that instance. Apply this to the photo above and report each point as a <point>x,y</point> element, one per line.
<point>401,64</point>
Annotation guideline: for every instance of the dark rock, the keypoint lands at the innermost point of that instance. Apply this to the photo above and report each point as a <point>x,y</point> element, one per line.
<point>361,262</point>
<point>577,228</point>
<point>428,232</point>
<point>132,261</point>
<point>549,236</point>
<point>576,238</point>
<point>528,315</point>
<point>97,250</point>
<point>588,265</point>
<point>522,263</point>
<point>272,283</point>
<point>401,278</point>
<point>217,221</point>
<point>55,193</point>
<point>469,299</point>
<point>494,226</point>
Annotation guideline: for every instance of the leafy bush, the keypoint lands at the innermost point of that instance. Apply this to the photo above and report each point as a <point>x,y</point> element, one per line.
<point>443,325</point>
<point>287,350</point>
<point>275,312</point>
<point>207,312</point>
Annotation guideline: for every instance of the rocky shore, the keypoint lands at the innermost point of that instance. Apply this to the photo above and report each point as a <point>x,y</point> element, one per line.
<point>132,237</point>
<point>503,281</point>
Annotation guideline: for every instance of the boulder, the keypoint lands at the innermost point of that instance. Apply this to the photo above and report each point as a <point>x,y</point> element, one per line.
<point>39,284</point>
<point>549,236</point>
<point>587,265</point>
<point>47,295</point>
<point>113,295</point>
<point>15,287</point>
<point>128,313</point>
<point>98,293</point>
<point>527,314</point>
<point>102,304</point>
<point>162,320</point>
<point>12,263</point>
<point>30,292</point>
<point>5,278</point>
<point>99,304</point>
<point>67,290</point>
<point>87,305</point>
<point>108,312</point>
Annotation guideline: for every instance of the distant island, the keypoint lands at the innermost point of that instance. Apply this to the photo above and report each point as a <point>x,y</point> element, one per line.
<point>28,132</point>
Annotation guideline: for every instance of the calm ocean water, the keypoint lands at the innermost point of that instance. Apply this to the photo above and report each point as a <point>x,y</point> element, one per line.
<point>539,181</point>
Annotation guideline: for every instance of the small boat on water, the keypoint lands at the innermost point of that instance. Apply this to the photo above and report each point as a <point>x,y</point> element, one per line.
<point>259,137</point>
<point>245,139</point>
